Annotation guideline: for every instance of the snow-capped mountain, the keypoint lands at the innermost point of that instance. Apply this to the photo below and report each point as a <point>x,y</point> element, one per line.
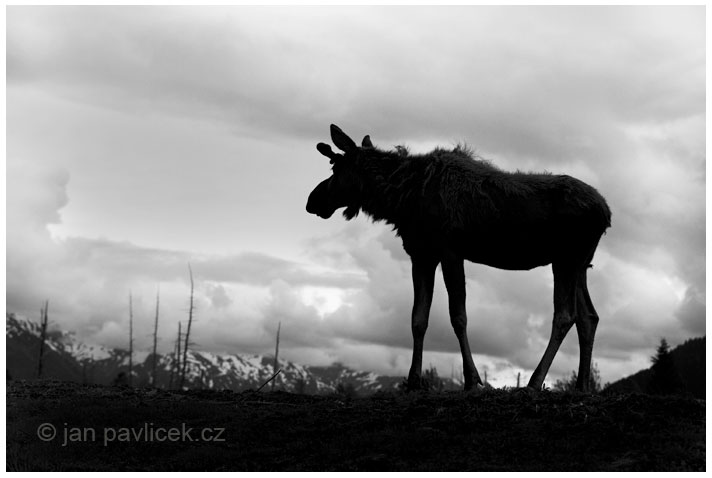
<point>66,358</point>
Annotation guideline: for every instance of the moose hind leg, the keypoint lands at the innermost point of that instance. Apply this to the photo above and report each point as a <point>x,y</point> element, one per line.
<point>423,281</point>
<point>586,323</point>
<point>564,316</point>
<point>454,276</point>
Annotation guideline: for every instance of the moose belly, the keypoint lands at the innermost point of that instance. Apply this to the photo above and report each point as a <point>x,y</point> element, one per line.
<point>507,250</point>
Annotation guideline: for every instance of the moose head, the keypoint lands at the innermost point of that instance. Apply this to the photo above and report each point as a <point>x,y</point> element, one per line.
<point>344,187</point>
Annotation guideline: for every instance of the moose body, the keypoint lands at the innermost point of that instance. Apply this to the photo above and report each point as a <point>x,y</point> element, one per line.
<point>448,206</point>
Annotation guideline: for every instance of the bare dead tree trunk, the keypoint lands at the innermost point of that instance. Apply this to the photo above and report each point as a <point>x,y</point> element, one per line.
<point>276,355</point>
<point>155,339</point>
<point>187,331</point>
<point>270,379</point>
<point>519,374</point>
<point>130,381</point>
<point>43,337</point>
<point>175,366</point>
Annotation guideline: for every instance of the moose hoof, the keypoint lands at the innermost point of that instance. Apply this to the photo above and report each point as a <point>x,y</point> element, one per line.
<point>473,385</point>
<point>414,384</point>
<point>528,391</point>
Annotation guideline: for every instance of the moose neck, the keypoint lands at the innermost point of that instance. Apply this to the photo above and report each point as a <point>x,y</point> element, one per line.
<point>384,175</point>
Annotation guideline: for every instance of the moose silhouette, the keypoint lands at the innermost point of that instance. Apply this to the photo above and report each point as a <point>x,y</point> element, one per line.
<point>449,206</point>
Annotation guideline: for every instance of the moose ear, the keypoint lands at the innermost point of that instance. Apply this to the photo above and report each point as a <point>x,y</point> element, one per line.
<point>341,140</point>
<point>325,149</point>
<point>366,143</point>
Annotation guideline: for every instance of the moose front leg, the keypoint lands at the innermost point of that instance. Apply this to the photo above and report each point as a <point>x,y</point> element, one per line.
<point>423,281</point>
<point>564,317</point>
<point>454,275</point>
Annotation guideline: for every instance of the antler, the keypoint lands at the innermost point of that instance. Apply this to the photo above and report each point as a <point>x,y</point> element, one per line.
<point>325,149</point>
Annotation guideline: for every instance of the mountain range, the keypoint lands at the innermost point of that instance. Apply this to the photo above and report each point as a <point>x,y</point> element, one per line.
<point>66,358</point>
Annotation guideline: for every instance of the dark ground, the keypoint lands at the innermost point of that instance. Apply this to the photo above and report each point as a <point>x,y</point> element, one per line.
<point>489,430</point>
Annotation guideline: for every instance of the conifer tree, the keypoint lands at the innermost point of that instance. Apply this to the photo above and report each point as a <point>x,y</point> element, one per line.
<point>665,379</point>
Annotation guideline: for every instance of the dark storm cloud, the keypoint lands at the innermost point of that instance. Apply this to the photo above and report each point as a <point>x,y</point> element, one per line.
<point>166,61</point>
<point>520,81</point>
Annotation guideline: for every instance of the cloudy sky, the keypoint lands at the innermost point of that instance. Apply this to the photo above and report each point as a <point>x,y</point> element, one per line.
<point>140,140</point>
